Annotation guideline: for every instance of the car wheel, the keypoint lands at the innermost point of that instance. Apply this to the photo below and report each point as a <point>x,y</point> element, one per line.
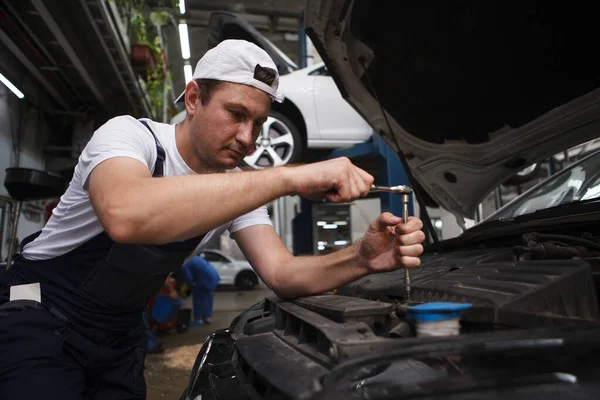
<point>246,280</point>
<point>279,143</point>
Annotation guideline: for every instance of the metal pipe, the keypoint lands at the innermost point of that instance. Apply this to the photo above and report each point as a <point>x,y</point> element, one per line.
<point>244,9</point>
<point>102,5</point>
<point>62,40</point>
<point>105,47</point>
<point>15,226</point>
<point>54,65</point>
<point>32,69</point>
<point>281,212</point>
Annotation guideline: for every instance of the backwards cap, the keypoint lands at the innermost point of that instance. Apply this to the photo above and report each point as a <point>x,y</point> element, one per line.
<point>236,61</point>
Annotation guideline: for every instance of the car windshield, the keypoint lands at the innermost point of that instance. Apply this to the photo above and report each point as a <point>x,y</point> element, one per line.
<point>578,182</point>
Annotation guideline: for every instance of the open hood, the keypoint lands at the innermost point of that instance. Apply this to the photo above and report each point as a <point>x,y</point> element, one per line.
<point>224,25</point>
<point>473,91</point>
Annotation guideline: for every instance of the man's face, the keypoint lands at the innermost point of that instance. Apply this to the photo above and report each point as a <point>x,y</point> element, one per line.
<point>225,128</point>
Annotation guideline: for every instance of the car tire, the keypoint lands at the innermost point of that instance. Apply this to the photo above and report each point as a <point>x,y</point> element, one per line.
<point>279,143</point>
<point>246,280</point>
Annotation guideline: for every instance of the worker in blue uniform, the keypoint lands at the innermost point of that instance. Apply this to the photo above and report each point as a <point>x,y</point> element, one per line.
<point>204,279</point>
<point>144,198</point>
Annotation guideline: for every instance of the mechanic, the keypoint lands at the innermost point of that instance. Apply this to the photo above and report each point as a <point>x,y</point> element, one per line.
<point>145,197</point>
<point>204,279</point>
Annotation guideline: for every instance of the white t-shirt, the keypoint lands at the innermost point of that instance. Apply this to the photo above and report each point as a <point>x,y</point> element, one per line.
<point>73,221</point>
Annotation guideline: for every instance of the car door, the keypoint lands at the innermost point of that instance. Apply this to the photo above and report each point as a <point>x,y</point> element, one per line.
<point>336,118</point>
<point>222,264</point>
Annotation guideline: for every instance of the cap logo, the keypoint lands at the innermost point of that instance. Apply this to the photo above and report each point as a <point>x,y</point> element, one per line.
<point>265,74</point>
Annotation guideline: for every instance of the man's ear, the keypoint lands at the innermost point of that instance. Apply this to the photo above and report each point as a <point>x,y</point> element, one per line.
<point>192,97</point>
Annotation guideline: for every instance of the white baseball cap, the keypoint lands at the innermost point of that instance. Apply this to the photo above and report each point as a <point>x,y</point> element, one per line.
<point>235,61</point>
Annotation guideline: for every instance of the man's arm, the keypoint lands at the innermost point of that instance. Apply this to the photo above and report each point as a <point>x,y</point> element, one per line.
<point>389,244</point>
<point>134,207</point>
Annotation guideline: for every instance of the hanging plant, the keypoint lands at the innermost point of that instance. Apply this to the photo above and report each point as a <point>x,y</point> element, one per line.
<point>156,80</point>
<point>147,50</point>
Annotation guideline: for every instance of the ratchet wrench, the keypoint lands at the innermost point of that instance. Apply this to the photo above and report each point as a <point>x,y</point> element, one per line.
<point>405,191</point>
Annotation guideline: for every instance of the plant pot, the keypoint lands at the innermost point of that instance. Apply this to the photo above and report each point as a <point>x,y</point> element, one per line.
<point>141,58</point>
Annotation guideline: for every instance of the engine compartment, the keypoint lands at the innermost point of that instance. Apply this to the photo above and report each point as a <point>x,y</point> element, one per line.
<point>288,348</point>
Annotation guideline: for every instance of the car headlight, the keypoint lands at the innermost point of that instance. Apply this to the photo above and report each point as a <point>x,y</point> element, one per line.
<point>205,358</point>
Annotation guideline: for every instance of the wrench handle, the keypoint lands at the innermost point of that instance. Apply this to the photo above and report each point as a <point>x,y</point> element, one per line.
<point>405,200</point>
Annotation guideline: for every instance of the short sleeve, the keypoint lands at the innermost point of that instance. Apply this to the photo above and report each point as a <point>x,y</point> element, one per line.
<point>260,216</point>
<point>119,137</point>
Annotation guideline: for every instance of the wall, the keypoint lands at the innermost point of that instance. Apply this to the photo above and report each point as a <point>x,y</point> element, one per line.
<point>23,133</point>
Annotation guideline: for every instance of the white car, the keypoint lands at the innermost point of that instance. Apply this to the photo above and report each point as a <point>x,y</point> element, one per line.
<point>232,272</point>
<point>314,114</point>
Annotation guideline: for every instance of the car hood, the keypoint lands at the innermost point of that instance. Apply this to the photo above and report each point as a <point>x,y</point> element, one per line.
<point>472,92</point>
<point>224,25</point>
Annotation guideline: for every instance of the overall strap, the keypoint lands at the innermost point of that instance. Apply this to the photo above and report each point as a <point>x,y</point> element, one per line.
<point>160,154</point>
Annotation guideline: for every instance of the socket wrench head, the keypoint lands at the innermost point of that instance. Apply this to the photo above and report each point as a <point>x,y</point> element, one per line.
<point>399,189</point>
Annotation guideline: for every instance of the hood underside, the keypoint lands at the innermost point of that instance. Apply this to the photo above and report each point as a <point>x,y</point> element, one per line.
<point>473,91</point>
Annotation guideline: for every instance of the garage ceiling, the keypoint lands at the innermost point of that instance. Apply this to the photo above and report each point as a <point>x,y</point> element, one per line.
<point>77,54</point>
<point>278,20</point>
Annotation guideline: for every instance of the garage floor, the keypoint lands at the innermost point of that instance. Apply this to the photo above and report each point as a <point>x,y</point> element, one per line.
<point>167,374</point>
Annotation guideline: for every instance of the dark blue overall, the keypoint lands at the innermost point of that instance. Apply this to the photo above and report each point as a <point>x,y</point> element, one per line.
<point>86,340</point>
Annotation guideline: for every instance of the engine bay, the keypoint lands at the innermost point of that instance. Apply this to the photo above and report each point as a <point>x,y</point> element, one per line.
<point>532,287</point>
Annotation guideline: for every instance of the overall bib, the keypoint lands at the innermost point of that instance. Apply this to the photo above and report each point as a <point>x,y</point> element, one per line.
<point>86,339</point>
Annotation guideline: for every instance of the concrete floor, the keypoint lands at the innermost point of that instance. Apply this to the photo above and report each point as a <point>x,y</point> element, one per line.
<point>167,374</point>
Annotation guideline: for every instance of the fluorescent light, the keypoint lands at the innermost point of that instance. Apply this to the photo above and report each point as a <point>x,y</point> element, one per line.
<point>330,226</point>
<point>187,71</point>
<point>12,87</point>
<point>182,6</point>
<point>321,223</point>
<point>341,223</point>
<point>321,247</point>
<point>184,40</point>
<point>322,243</point>
<point>340,243</point>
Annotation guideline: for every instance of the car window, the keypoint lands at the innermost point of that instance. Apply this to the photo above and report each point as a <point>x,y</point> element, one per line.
<point>581,181</point>
<point>214,257</point>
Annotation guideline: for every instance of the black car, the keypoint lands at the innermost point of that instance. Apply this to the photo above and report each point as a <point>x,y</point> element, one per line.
<point>468,93</point>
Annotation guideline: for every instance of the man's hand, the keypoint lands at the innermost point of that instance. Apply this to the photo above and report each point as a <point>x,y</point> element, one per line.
<point>336,180</point>
<point>389,244</point>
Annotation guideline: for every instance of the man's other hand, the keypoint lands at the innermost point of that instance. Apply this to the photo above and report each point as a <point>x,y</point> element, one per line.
<point>389,244</point>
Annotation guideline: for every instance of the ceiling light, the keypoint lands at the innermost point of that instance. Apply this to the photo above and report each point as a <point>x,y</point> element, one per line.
<point>187,71</point>
<point>182,6</point>
<point>12,87</point>
<point>185,41</point>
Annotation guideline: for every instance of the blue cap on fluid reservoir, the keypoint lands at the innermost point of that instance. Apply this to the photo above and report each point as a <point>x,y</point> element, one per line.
<point>440,311</point>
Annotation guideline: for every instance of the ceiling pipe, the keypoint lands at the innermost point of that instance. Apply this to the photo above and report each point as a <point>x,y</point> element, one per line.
<point>106,50</point>
<point>52,67</point>
<point>62,40</point>
<point>32,69</point>
<point>123,53</point>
